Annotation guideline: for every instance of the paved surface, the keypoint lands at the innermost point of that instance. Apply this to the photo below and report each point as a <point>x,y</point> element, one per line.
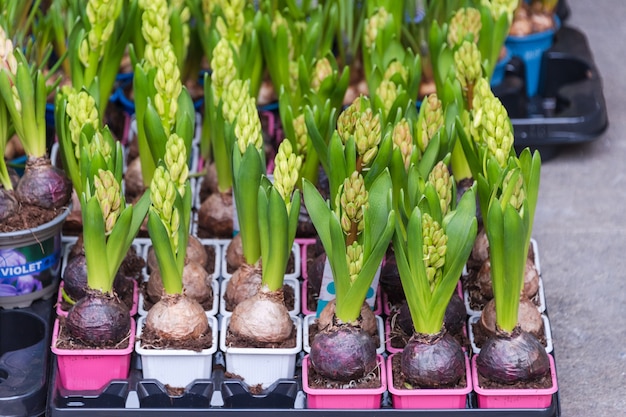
<point>580,227</point>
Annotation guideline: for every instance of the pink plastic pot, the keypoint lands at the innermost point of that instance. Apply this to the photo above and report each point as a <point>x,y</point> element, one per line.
<point>349,398</point>
<point>514,398</point>
<point>91,369</point>
<point>63,313</point>
<point>428,398</point>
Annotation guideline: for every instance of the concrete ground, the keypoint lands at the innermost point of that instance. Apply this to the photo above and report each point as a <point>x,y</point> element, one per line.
<point>580,228</point>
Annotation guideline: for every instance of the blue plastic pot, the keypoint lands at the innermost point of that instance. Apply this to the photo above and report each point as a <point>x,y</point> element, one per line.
<point>500,69</point>
<point>530,49</point>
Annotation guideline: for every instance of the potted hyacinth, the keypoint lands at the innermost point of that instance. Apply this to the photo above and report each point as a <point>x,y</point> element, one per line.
<point>432,241</point>
<point>177,338</point>
<point>355,236</point>
<point>261,328</point>
<point>94,342</point>
<point>35,207</point>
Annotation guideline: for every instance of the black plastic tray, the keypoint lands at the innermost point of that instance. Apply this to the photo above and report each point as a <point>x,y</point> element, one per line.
<point>25,359</point>
<point>569,107</point>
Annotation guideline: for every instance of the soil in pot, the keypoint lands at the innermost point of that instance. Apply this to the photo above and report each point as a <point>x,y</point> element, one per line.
<point>369,381</point>
<point>28,217</point>
<point>399,381</point>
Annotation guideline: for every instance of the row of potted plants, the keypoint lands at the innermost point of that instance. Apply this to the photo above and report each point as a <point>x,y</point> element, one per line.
<point>373,178</point>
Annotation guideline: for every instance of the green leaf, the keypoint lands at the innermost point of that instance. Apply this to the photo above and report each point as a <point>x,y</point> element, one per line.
<point>95,245</point>
<point>172,279</point>
<point>247,173</point>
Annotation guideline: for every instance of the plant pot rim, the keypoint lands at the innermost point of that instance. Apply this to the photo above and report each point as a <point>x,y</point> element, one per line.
<point>515,391</point>
<point>429,391</point>
<point>46,230</point>
<point>92,352</point>
<point>380,360</point>
<point>177,352</point>
<point>297,321</point>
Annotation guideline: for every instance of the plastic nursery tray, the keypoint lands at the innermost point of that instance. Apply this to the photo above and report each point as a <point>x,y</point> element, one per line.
<point>569,107</point>
<point>25,359</point>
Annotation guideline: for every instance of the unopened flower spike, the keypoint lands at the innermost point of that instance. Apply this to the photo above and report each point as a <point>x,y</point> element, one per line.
<point>108,193</point>
<point>81,109</point>
<point>387,91</point>
<point>375,24</point>
<point>440,178</point>
<point>464,22</point>
<point>322,70</point>
<point>224,69</point>
<point>102,15</point>
<point>467,61</point>
<point>403,140</point>
<point>176,162</point>
<point>352,201</point>
<point>163,197</point>
<point>434,249</point>
<point>248,128</point>
<point>430,121</point>
<point>234,97</point>
<point>287,166</point>
<point>231,26</point>
<point>494,130</point>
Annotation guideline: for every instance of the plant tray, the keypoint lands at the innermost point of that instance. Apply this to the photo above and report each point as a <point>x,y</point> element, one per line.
<point>569,107</point>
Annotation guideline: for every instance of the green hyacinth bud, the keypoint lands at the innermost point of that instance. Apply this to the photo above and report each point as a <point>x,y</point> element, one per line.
<point>434,249</point>
<point>367,135</point>
<point>354,256</point>
<point>81,110</point>
<point>107,191</point>
<point>176,161</point>
<point>375,24</point>
<point>232,26</point>
<point>403,140</point>
<point>99,145</point>
<point>493,128</point>
<point>440,178</point>
<point>286,171</point>
<point>322,70</point>
<point>466,21</point>
<point>346,121</point>
<point>7,58</point>
<point>396,67</point>
<point>517,194</point>
<point>224,69</point>
<point>498,7</point>
<point>163,197</point>
<point>155,26</point>
<point>234,97</point>
<point>352,201</point>
<point>101,15</point>
<point>431,121</point>
<point>168,85</point>
<point>467,61</point>
<point>387,91</point>
<point>248,128</point>
<point>302,135</point>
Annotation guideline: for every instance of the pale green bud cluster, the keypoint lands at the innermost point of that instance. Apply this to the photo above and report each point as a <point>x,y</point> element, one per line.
<point>7,57</point>
<point>354,256</point>
<point>208,7</point>
<point>168,85</point>
<point>493,128</point>
<point>396,67</point>
<point>498,7</point>
<point>163,197</point>
<point>232,25</point>
<point>224,69</point>
<point>367,135</point>
<point>431,122</point>
<point>99,145</point>
<point>518,195</point>
<point>347,119</point>
<point>248,128</point>
<point>102,15</point>
<point>464,22</point>
<point>434,249</point>
<point>286,171</point>
<point>387,91</point>
<point>108,194</point>
<point>439,177</point>
<point>373,25</point>
<point>293,76</point>
<point>234,97</point>
<point>302,134</point>
<point>82,111</point>
<point>176,161</point>
<point>155,26</point>
<point>352,201</point>
<point>322,70</point>
<point>467,61</point>
<point>403,140</point>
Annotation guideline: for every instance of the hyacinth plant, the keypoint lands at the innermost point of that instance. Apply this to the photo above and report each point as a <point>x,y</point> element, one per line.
<point>355,235</point>
<point>24,92</point>
<point>432,241</point>
<point>109,227</point>
<point>176,317</point>
<point>96,44</point>
<point>162,104</point>
<point>508,188</point>
<point>264,318</point>
<point>248,168</point>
